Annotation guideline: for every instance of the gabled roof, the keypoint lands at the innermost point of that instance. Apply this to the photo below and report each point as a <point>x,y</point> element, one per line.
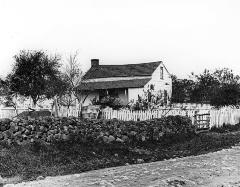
<point>135,83</point>
<point>128,70</point>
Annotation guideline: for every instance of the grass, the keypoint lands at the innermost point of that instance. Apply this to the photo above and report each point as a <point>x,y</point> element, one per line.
<point>33,160</point>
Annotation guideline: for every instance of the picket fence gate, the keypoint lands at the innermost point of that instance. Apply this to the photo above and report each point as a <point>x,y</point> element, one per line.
<point>201,122</point>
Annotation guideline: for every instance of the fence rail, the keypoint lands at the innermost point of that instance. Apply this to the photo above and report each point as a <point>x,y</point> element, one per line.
<point>67,112</point>
<point>128,115</point>
<point>228,115</point>
<point>218,117</point>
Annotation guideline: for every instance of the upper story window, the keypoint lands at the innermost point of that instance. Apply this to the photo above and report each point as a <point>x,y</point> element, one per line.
<point>161,72</point>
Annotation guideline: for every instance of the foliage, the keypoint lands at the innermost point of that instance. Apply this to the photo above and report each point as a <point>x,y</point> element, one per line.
<point>227,94</point>
<point>108,101</point>
<point>182,90</point>
<point>226,128</point>
<point>219,88</point>
<point>8,97</point>
<point>35,74</point>
<point>2,87</point>
<point>204,87</point>
<point>151,99</point>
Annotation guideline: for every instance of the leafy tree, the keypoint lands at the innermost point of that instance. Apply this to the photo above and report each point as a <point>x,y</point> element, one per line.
<point>228,91</point>
<point>36,75</point>
<point>218,88</point>
<point>2,87</point>
<point>182,89</point>
<point>226,94</point>
<point>9,98</point>
<point>206,83</point>
<point>226,76</point>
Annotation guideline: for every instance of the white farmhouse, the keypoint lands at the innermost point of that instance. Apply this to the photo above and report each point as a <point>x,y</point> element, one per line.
<point>124,81</point>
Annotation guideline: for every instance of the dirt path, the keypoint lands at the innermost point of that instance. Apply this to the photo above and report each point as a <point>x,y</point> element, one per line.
<point>220,169</point>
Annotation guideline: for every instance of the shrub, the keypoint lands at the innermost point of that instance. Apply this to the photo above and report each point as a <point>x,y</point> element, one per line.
<point>108,101</point>
<point>150,99</point>
<point>226,128</point>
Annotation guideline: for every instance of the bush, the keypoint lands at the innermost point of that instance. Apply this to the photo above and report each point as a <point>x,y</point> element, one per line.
<point>226,128</point>
<point>150,99</point>
<point>108,101</point>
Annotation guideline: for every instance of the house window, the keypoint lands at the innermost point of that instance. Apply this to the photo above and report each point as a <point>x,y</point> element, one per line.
<point>151,87</point>
<point>161,72</point>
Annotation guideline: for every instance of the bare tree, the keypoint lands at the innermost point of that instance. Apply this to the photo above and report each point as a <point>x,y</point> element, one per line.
<point>72,76</point>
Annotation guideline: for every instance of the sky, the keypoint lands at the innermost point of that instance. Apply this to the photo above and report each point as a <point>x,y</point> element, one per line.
<point>187,35</point>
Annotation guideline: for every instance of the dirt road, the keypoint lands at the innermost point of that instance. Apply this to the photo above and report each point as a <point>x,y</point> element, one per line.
<point>220,169</point>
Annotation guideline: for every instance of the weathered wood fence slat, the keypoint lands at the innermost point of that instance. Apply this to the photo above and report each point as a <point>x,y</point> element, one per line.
<point>215,117</point>
<point>128,115</point>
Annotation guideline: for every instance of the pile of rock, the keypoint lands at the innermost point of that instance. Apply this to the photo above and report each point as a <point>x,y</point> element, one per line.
<point>47,129</point>
<point>50,129</point>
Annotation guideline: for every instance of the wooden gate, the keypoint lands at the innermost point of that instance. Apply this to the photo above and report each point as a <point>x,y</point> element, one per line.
<point>202,122</point>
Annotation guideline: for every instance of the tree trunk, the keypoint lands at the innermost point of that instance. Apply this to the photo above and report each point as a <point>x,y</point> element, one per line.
<point>34,99</point>
<point>56,107</point>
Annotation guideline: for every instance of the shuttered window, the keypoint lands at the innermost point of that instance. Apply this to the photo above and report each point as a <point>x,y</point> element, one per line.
<point>161,72</point>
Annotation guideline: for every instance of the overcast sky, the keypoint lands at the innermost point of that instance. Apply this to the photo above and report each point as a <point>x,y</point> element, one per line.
<point>188,35</point>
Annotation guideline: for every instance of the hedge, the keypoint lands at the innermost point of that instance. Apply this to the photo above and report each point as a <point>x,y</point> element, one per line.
<point>49,129</point>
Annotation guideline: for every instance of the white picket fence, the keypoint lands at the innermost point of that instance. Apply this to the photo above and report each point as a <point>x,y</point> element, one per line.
<point>67,112</point>
<point>128,115</point>
<point>225,115</point>
<point>218,117</point>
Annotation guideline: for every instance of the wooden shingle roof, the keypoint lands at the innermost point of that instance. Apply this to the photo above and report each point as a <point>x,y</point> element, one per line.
<point>128,70</point>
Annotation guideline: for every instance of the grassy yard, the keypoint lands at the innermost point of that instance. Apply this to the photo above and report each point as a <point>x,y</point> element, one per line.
<point>32,160</point>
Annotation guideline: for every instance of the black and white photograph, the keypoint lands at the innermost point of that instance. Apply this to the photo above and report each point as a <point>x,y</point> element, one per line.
<point>120,93</point>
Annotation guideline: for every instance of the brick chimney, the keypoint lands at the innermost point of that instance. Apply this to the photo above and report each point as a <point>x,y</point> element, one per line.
<point>94,62</point>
